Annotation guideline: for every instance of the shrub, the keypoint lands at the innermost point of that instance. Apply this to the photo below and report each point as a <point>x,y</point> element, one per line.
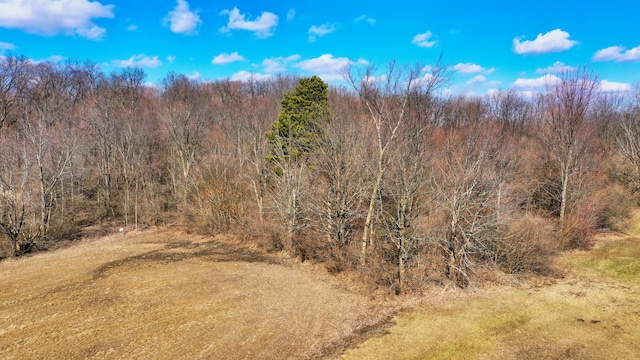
<point>529,245</point>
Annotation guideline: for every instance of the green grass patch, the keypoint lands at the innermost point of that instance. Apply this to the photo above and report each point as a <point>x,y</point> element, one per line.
<point>615,258</point>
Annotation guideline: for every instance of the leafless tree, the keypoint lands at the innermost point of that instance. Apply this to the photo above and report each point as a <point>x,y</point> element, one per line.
<point>130,135</point>
<point>13,73</point>
<point>510,109</point>
<point>184,112</point>
<point>386,98</point>
<point>467,180</point>
<point>15,204</point>
<point>338,188</point>
<point>566,136</point>
<point>45,122</point>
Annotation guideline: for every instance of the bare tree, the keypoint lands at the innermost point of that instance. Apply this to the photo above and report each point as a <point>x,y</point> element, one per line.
<point>15,204</point>
<point>129,135</point>
<point>337,194</point>
<point>13,72</point>
<point>565,136</point>
<point>510,109</point>
<point>467,187</point>
<point>45,122</point>
<point>184,112</point>
<point>627,137</point>
<point>386,97</point>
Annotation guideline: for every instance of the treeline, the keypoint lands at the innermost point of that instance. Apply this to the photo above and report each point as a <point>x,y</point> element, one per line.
<point>386,176</point>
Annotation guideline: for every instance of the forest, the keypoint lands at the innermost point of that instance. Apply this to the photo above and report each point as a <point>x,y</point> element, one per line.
<point>388,176</point>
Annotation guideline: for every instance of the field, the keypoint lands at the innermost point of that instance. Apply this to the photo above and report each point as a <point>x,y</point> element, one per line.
<point>163,294</point>
<point>166,295</point>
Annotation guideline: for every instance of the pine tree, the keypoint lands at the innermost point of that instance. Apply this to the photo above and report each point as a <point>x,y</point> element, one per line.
<point>298,129</point>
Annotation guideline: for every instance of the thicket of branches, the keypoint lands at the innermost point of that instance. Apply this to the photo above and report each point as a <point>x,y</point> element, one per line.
<point>389,177</point>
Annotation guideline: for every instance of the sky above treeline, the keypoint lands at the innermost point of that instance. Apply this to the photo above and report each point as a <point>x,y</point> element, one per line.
<point>487,45</point>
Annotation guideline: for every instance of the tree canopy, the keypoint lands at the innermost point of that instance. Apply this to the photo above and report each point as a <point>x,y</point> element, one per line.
<point>297,130</point>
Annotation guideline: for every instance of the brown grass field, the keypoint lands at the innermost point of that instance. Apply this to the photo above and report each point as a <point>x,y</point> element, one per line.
<point>163,294</point>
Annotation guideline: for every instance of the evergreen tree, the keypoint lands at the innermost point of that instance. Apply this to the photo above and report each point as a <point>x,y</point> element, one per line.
<point>298,129</point>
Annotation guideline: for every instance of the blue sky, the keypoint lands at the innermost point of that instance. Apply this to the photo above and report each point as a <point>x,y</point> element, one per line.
<point>489,45</point>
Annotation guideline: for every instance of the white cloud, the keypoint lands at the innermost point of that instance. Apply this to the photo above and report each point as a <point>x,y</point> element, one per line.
<point>278,64</point>
<point>181,19</point>
<point>364,17</point>
<point>246,76</point>
<point>291,14</point>
<point>617,53</point>
<point>171,58</point>
<point>227,58</point>
<point>611,86</point>
<point>262,26</point>
<point>552,41</point>
<point>320,31</point>
<point>535,84</point>
<point>557,67</point>
<point>7,46</point>
<point>51,59</point>
<point>70,17</point>
<point>422,40</point>
<point>195,76</point>
<point>132,27</point>
<point>327,67</point>
<point>478,79</point>
<point>468,68</point>
<point>138,61</point>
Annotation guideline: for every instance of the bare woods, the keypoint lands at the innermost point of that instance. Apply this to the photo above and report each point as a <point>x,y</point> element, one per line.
<point>387,177</point>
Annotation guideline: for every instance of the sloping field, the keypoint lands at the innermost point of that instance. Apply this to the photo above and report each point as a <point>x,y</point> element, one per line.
<point>163,295</point>
<point>591,312</point>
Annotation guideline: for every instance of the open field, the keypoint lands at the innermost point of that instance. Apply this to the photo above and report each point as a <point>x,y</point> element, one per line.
<point>163,295</point>
<point>592,311</point>
<point>166,295</point>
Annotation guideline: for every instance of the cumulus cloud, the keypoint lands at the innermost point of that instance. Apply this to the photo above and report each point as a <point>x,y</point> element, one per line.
<point>422,40</point>
<point>327,67</point>
<point>557,67</point>
<point>181,19</point>
<point>262,26</point>
<point>278,64</point>
<point>171,58</point>
<point>246,76</point>
<point>7,46</point>
<point>615,87</point>
<point>138,61</point>
<point>70,17</point>
<point>320,31</point>
<point>552,41</point>
<point>617,53</point>
<point>478,79</point>
<point>195,76</point>
<point>536,83</point>
<point>227,58</point>
<point>365,18</point>
<point>132,27</point>
<point>468,68</point>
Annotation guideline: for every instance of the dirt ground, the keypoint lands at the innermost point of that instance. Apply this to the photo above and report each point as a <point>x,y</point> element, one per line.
<point>165,295</point>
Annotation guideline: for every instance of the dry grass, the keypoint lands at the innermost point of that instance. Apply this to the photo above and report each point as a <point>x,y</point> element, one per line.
<point>167,295</point>
<point>590,313</point>
<point>163,295</point>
